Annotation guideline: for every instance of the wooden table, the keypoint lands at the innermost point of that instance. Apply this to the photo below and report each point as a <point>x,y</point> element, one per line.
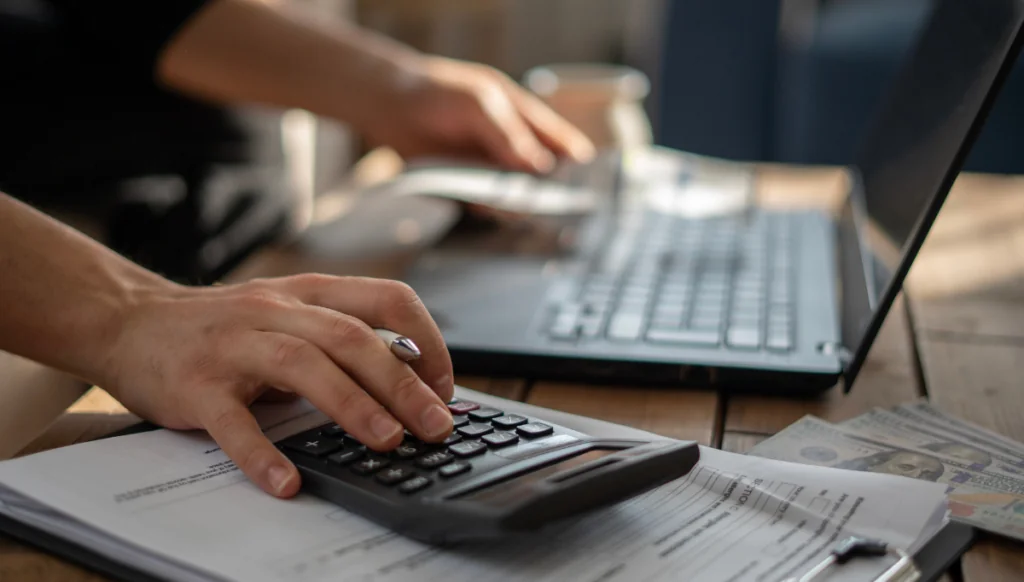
<point>959,339</point>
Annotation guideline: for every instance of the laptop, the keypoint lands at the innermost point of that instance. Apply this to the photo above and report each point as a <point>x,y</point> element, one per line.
<point>755,300</point>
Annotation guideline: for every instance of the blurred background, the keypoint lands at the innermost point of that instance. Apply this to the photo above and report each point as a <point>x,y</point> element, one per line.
<point>767,80</point>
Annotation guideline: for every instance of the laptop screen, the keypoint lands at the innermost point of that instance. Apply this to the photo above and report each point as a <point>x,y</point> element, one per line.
<point>915,149</point>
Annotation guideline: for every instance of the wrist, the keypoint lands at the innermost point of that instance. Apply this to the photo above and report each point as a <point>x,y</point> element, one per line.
<point>104,323</point>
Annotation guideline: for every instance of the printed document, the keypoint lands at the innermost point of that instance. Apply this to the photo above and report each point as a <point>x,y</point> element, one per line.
<point>172,504</point>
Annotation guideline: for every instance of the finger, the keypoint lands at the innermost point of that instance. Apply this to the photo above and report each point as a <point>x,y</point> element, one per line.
<point>564,138</point>
<point>296,365</point>
<point>506,135</point>
<point>353,346</point>
<point>382,304</point>
<point>231,424</point>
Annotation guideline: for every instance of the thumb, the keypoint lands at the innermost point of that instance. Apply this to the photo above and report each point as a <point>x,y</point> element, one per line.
<point>235,429</point>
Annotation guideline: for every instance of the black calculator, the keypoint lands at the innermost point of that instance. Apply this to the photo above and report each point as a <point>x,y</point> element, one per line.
<point>497,474</point>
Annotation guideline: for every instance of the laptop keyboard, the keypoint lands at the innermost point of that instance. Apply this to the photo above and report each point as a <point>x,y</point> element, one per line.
<point>719,282</point>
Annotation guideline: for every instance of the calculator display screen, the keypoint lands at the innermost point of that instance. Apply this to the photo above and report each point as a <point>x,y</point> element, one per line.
<point>514,490</point>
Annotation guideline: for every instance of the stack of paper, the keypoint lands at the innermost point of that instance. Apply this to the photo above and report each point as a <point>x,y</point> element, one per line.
<point>172,504</point>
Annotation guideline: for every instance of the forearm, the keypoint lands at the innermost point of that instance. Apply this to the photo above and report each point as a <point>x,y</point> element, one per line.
<point>283,54</point>
<point>61,293</point>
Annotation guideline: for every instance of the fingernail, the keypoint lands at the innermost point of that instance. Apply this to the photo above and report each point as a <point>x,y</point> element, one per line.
<point>544,161</point>
<point>279,477</point>
<point>583,151</point>
<point>435,421</point>
<point>384,427</point>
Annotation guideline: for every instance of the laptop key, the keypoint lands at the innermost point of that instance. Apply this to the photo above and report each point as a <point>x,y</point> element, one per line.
<point>625,327</point>
<point>778,342</point>
<point>743,338</point>
<point>689,337</point>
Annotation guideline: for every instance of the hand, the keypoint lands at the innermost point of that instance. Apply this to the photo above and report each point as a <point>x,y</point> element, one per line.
<point>439,106</point>
<point>195,358</point>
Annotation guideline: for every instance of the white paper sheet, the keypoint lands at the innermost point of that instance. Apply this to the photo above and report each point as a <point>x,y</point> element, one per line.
<point>172,503</point>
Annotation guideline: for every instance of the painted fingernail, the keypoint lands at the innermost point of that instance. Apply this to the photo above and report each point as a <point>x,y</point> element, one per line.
<point>435,421</point>
<point>280,477</point>
<point>384,427</point>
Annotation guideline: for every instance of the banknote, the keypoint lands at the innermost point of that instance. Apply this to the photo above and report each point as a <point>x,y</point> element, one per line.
<point>925,413</point>
<point>985,500</point>
<point>893,428</point>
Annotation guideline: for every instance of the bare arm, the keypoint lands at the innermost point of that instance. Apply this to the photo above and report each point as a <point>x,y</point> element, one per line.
<point>289,55</point>
<point>63,294</point>
<point>188,357</point>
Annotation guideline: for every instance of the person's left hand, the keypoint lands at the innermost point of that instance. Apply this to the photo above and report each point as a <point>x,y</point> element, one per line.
<point>444,107</point>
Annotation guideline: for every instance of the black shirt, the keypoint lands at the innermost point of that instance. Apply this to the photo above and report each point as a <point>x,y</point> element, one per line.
<point>82,119</point>
<point>79,99</point>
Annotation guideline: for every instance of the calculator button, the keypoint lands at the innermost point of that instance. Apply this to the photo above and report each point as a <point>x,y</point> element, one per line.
<point>333,431</point>
<point>434,460</point>
<point>475,429</point>
<point>452,439</point>
<point>312,445</point>
<point>485,414</point>
<point>347,456</point>
<point>460,420</point>
<point>462,407</point>
<point>408,450</point>
<point>468,448</point>
<point>351,440</point>
<point>534,430</point>
<point>501,439</point>
<point>509,421</point>
<point>456,468</point>
<point>371,465</point>
<point>394,475</point>
<point>415,484</point>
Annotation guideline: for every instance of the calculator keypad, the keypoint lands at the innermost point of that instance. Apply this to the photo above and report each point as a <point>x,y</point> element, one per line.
<point>393,475</point>
<point>468,448</point>
<point>316,446</point>
<point>414,466</point>
<point>501,439</point>
<point>476,429</point>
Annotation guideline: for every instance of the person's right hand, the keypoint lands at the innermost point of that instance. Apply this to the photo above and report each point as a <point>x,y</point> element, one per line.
<point>195,358</point>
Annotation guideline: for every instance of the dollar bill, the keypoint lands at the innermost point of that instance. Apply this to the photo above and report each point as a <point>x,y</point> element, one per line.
<point>991,502</point>
<point>893,428</point>
<point>924,412</point>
